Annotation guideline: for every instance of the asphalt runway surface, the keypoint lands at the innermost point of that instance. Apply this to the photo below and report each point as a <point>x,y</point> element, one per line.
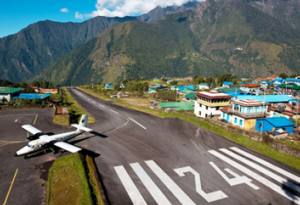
<point>25,177</point>
<point>147,160</point>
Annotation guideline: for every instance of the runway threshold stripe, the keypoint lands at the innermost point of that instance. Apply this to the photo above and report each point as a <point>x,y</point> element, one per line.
<point>155,192</point>
<point>10,187</point>
<point>262,170</point>
<point>182,197</point>
<point>257,177</point>
<point>267,164</point>
<point>136,122</point>
<point>132,191</point>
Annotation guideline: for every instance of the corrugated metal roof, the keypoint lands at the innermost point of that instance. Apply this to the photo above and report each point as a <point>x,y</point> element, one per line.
<point>33,96</point>
<point>227,83</point>
<point>191,95</point>
<point>290,86</point>
<point>267,98</point>
<point>279,121</point>
<point>9,90</point>
<point>179,106</point>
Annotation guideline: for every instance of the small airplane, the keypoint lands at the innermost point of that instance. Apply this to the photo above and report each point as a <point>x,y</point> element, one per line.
<point>40,140</point>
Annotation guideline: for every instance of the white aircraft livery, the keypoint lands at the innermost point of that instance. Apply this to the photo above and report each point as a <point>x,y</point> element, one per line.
<point>39,140</point>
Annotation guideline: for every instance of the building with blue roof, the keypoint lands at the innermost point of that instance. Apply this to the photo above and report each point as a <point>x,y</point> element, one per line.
<point>264,84</point>
<point>33,96</point>
<point>186,88</point>
<point>277,81</point>
<point>292,81</point>
<point>227,84</point>
<point>233,92</point>
<point>268,99</point>
<point>273,124</point>
<point>108,86</point>
<point>154,88</point>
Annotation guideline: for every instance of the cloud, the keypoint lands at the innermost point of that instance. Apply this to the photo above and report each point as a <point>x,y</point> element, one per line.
<point>82,16</point>
<point>123,8</point>
<point>64,10</point>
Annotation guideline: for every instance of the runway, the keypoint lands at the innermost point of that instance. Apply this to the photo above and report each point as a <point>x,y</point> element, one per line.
<point>147,160</point>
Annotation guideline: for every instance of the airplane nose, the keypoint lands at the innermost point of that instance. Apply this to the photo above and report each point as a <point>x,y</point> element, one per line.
<point>24,150</point>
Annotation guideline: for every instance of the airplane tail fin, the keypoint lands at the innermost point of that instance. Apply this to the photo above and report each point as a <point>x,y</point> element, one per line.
<point>83,121</point>
<point>82,126</point>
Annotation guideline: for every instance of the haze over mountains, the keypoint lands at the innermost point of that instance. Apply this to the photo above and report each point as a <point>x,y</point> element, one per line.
<point>242,37</point>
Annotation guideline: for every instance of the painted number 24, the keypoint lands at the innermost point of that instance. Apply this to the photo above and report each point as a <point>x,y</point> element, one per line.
<point>215,195</point>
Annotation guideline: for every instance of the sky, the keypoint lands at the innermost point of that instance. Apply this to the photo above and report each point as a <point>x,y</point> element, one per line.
<point>17,14</point>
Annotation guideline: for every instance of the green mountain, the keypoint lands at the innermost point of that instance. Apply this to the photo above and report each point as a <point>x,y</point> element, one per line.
<point>242,37</point>
<point>27,53</point>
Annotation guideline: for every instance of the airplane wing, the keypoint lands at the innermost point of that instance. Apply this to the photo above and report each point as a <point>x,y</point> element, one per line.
<point>31,129</point>
<point>68,147</point>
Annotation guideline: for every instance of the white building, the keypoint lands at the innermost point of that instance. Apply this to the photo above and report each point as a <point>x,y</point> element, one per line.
<point>208,104</point>
<point>203,86</point>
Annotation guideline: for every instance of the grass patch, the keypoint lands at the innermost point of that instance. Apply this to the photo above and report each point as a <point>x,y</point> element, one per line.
<point>68,183</point>
<point>61,120</point>
<point>262,148</point>
<point>94,181</point>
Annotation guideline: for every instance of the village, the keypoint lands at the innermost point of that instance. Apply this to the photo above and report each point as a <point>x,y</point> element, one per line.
<point>260,114</point>
<point>262,105</point>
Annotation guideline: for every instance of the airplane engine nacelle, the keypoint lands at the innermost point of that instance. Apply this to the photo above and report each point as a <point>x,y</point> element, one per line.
<point>38,135</point>
<point>34,137</point>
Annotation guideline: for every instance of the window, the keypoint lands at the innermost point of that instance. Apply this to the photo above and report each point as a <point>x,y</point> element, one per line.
<point>217,108</point>
<point>235,120</point>
<point>241,123</point>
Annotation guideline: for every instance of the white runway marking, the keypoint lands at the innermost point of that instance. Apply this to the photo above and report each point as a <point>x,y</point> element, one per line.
<point>267,164</point>
<point>170,184</point>
<point>133,192</point>
<point>35,119</point>
<point>114,111</point>
<point>257,177</point>
<point>262,170</point>
<point>155,192</point>
<point>237,178</point>
<point>209,197</point>
<point>136,122</point>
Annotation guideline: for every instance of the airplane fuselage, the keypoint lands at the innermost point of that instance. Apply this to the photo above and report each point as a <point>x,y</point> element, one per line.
<point>44,140</point>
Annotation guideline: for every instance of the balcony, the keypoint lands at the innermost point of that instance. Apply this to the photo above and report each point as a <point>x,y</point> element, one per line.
<point>213,103</point>
<point>247,115</point>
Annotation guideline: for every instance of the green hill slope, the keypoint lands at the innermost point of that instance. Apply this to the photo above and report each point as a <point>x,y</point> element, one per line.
<point>27,53</point>
<point>217,37</point>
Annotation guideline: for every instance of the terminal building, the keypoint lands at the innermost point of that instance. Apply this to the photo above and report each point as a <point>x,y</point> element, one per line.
<point>209,104</point>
